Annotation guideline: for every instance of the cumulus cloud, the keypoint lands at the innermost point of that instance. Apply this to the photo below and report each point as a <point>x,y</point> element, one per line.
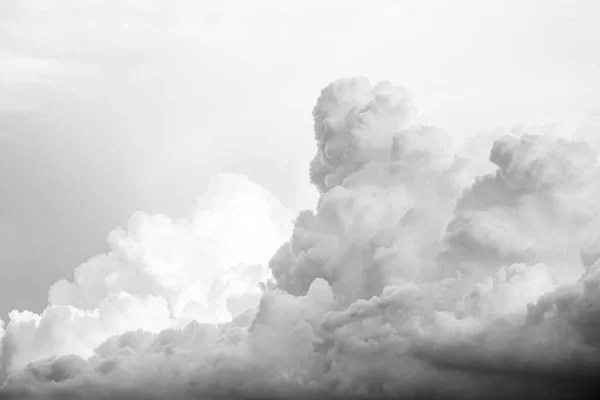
<point>160,273</point>
<point>421,273</point>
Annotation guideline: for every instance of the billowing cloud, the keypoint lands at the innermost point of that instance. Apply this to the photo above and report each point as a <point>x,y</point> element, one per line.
<point>421,273</point>
<point>160,273</point>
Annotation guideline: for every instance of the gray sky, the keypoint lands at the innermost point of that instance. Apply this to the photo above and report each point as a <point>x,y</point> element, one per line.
<point>108,107</point>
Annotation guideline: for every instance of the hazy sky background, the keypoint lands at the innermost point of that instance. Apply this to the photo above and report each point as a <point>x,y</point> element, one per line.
<point>108,107</point>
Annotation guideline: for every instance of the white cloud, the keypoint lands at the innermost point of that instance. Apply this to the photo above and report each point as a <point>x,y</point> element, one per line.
<point>402,282</point>
<point>423,269</point>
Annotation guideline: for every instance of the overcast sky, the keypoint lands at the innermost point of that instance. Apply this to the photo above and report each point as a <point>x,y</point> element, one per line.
<point>109,107</point>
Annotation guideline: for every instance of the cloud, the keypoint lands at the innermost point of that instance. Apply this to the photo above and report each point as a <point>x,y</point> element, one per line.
<point>160,273</point>
<point>378,178</point>
<point>419,274</point>
<point>538,206</point>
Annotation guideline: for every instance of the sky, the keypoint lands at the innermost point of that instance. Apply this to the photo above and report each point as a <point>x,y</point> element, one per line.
<point>111,107</point>
<point>117,106</point>
<point>148,146</point>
